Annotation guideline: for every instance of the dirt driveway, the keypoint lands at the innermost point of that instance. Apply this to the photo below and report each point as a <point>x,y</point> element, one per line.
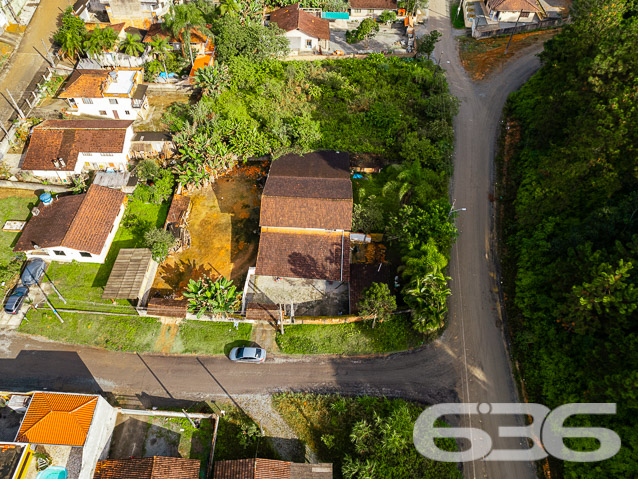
<point>386,39</point>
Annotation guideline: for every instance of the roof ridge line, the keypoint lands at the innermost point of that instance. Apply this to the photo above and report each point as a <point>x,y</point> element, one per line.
<point>75,217</point>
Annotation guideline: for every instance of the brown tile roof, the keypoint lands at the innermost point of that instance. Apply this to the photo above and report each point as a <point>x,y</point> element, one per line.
<point>157,29</point>
<point>155,467</point>
<point>514,5</point>
<point>179,209</point>
<point>270,469</point>
<point>292,18</point>
<point>318,164</point>
<point>306,213</point>
<point>82,222</point>
<point>310,255</point>
<point>85,84</point>
<point>128,274</point>
<point>61,419</point>
<point>54,139</point>
<point>374,4</point>
<point>308,191</point>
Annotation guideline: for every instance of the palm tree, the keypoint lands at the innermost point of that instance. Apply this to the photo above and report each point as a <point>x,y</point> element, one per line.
<point>413,182</point>
<point>100,40</point>
<point>229,7</point>
<point>70,42</point>
<point>131,45</point>
<point>159,48</point>
<point>181,20</point>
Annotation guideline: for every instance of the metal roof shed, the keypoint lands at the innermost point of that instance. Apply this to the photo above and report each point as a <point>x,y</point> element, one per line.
<point>132,274</point>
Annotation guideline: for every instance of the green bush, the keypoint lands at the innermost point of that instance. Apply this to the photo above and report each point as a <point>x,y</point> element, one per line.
<point>159,241</point>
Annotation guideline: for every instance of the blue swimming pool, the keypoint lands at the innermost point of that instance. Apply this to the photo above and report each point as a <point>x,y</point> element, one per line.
<point>52,473</point>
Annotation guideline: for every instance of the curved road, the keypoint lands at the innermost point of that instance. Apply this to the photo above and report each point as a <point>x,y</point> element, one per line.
<point>469,363</point>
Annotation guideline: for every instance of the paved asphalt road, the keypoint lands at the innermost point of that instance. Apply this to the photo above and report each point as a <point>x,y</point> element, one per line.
<point>469,363</point>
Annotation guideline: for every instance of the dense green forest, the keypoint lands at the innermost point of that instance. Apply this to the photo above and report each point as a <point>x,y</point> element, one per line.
<point>571,226</point>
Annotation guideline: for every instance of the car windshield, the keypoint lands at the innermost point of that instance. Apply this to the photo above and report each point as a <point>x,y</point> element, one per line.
<point>258,353</point>
<point>240,353</point>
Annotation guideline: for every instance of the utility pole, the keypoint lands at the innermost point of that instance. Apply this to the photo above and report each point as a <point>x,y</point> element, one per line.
<point>48,53</point>
<point>513,29</point>
<point>16,105</point>
<point>281,320</point>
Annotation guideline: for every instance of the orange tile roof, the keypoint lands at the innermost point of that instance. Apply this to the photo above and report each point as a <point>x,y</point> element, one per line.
<point>200,62</point>
<point>60,419</point>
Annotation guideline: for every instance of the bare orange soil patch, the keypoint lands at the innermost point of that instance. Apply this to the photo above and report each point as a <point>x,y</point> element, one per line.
<point>482,57</point>
<point>223,224</point>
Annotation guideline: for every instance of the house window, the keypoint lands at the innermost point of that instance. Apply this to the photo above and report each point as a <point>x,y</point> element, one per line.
<point>126,112</point>
<point>88,154</point>
<point>525,14</point>
<point>356,10</point>
<point>103,112</point>
<point>308,43</point>
<point>106,154</point>
<point>84,254</point>
<point>112,101</point>
<point>87,101</point>
<point>59,253</point>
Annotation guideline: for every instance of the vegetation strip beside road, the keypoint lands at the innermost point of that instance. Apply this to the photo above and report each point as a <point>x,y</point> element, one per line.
<point>570,228</point>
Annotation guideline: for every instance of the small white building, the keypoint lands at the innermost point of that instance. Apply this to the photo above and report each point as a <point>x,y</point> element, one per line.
<point>75,430</point>
<point>137,13</point>
<point>512,11</point>
<point>62,149</point>
<point>370,8</point>
<point>307,33</point>
<point>75,227</point>
<point>115,93</point>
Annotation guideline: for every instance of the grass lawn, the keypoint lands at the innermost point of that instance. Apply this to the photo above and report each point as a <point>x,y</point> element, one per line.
<point>206,337</point>
<point>12,208</point>
<point>351,338</point>
<point>119,333</point>
<point>136,333</point>
<point>457,20</point>
<point>238,437</point>
<point>384,428</point>
<point>82,284</point>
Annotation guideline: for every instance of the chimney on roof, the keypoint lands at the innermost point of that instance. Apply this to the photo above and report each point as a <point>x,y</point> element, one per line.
<point>62,162</point>
<point>56,163</point>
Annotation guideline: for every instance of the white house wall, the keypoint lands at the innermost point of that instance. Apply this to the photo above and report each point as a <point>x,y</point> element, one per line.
<point>513,16</point>
<point>70,254</point>
<point>366,12</point>
<point>103,108</point>
<point>298,41</point>
<point>98,438</point>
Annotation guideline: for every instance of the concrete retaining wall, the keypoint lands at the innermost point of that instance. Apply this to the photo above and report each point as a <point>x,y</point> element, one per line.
<point>21,185</point>
<point>489,31</point>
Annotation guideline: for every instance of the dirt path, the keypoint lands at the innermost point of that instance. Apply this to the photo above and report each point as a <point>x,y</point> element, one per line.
<point>26,62</point>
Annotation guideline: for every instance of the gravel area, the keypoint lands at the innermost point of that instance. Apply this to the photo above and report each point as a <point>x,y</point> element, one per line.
<point>283,438</point>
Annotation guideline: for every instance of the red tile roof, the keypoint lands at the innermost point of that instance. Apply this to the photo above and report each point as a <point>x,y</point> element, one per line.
<point>158,29</point>
<point>155,467</point>
<point>514,5</point>
<point>85,84</point>
<point>374,4</point>
<point>293,18</point>
<point>309,255</point>
<point>270,469</point>
<point>61,419</point>
<point>54,139</point>
<point>82,222</point>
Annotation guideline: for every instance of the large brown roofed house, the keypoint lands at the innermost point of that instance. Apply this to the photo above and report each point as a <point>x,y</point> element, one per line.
<point>374,4</point>
<point>293,18</point>
<point>81,222</point>
<point>309,255</point>
<point>155,467</point>
<point>66,139</point>
<point>308,191</point>
<point>514,5</point>
<point>270,469</point>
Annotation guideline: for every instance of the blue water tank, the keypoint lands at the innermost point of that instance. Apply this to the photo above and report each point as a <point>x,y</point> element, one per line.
<point>46,198</point>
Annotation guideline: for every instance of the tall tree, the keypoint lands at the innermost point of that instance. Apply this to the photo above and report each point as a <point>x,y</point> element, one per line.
<point>71,34</point>
<point>159,49</point>
<point>100,40</point>
<point>181,20</point>
<point>131,45</point>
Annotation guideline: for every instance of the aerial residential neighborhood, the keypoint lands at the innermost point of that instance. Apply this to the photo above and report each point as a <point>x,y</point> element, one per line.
<point>318,239</point>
